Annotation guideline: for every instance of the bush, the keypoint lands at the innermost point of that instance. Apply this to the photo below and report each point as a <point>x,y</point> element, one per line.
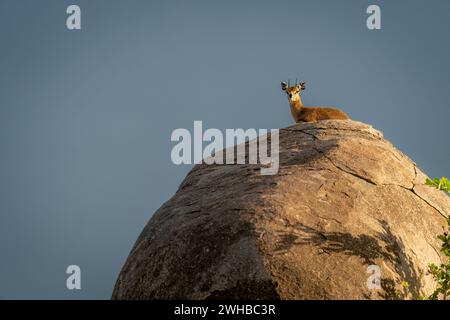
<point>441,273</point>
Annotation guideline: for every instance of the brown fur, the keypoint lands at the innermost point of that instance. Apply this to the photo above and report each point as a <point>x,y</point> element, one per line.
<point>309,114</point>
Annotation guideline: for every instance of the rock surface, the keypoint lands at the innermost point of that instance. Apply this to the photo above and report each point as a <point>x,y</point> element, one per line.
<point>344,199</point>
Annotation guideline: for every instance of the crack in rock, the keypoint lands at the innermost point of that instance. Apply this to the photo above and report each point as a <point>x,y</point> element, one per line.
<point>370,181</point>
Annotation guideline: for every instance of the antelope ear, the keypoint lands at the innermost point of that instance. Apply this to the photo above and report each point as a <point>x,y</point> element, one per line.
<point>302,85</point>
<point>284,86</point>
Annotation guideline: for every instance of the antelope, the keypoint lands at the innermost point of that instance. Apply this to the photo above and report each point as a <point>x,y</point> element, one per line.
<point>308,114</point>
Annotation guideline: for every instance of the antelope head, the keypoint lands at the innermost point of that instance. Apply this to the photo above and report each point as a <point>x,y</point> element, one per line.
<point>293,92</point>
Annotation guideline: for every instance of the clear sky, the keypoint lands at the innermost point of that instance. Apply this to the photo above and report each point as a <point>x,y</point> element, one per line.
<point>86,116</point>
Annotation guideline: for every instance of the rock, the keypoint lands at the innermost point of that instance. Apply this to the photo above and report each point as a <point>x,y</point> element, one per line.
<point>344,199</point>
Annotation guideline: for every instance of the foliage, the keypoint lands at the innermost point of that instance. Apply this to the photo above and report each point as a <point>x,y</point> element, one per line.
<point>441,273</point>
<point>440,184</point>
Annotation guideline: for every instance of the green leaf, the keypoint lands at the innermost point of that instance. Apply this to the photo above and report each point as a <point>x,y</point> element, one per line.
<point>440,184</point>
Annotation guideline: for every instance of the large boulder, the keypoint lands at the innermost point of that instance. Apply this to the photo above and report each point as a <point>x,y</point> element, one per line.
<point>344,199</point>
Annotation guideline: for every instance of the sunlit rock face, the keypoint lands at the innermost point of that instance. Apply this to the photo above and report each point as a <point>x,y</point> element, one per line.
<point>344,204</point>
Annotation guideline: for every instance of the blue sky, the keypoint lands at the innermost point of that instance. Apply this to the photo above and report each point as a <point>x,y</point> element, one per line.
<point>86,116</point>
